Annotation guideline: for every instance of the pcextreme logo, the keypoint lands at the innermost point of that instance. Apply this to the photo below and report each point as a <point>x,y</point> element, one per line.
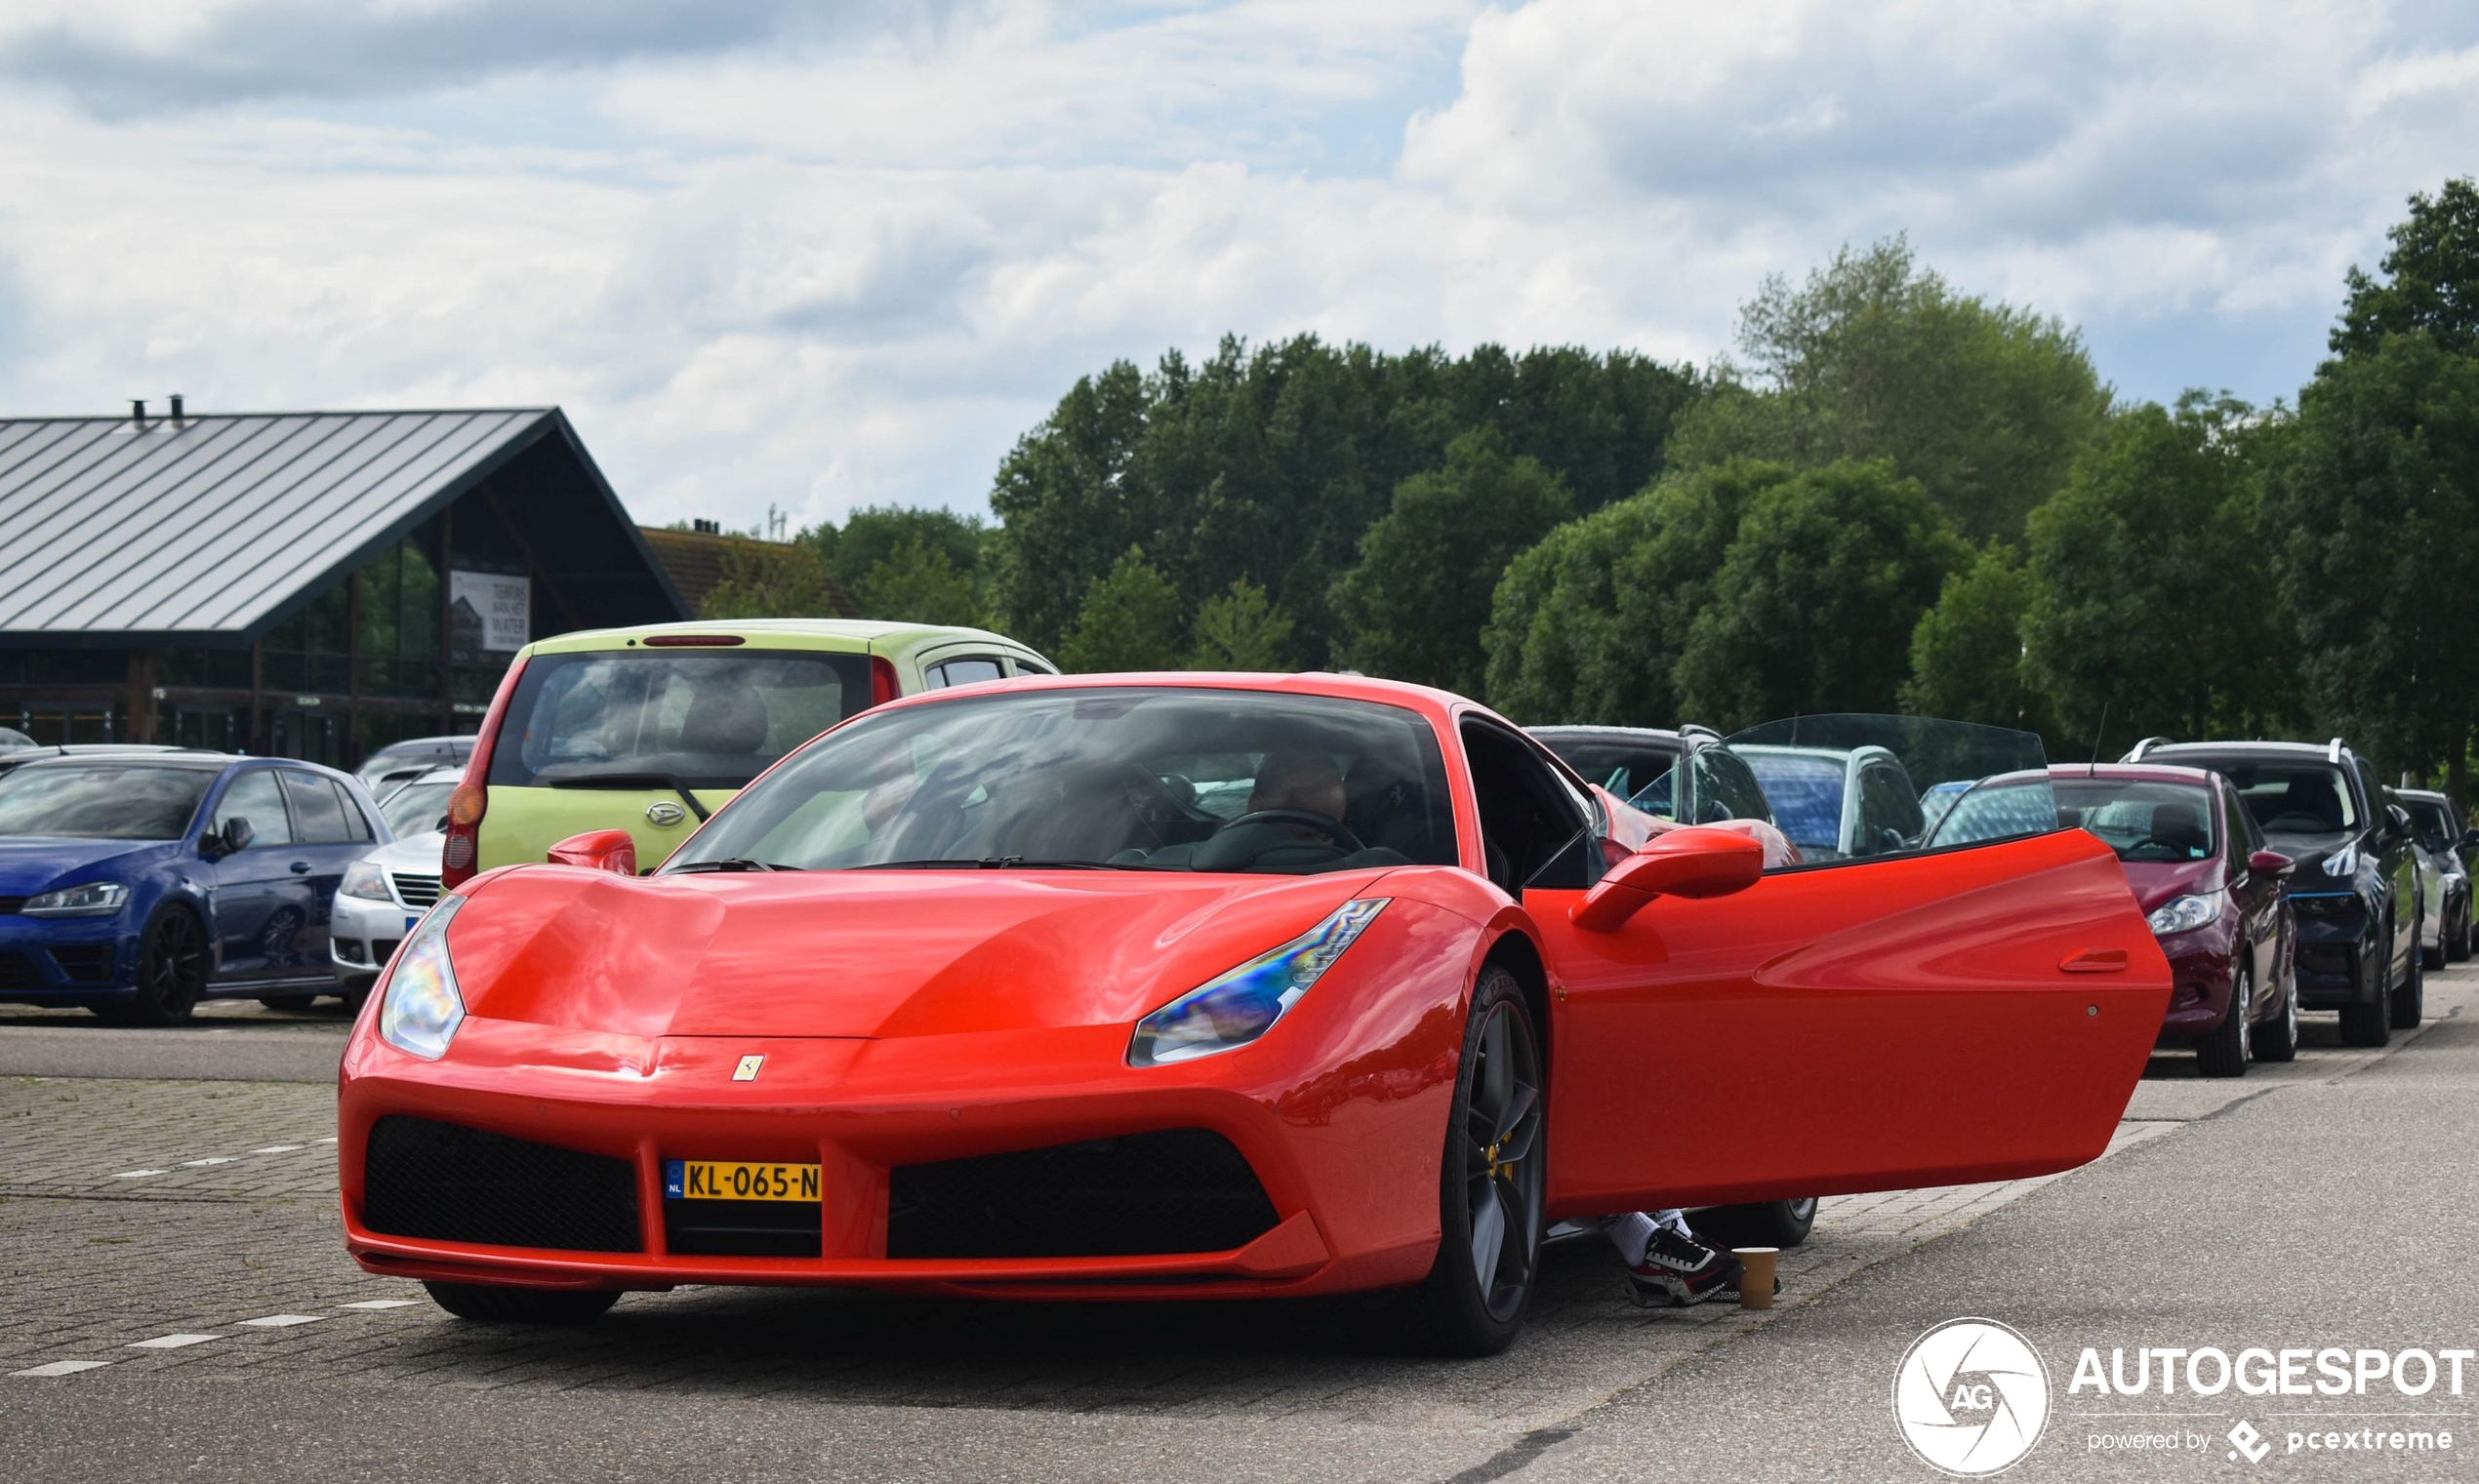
<point>1970,1397</point>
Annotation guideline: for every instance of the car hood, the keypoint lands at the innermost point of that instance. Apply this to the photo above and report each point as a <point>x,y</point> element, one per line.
<point>422,853</point>
<point>2155,882</point>
<point>864,953</point>
<point>29,866</point>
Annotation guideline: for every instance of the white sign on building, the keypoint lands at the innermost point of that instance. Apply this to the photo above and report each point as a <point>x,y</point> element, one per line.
<point>490,612</point>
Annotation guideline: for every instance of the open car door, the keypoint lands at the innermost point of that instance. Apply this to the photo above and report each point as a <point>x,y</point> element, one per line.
<point>1972,1002</point>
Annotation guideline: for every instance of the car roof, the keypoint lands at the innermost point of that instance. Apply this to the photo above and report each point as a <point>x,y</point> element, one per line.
<point>845,635</point>
<point>1606,734</point>
<point>2427,796</point>
<point>2132,772</point>
<point>2319,751</point>
<point>180,757</point>
<point>426,743</point>
<point>1441,708</point>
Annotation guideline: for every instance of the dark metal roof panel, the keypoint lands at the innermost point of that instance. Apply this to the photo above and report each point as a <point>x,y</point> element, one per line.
<point>210,525</point>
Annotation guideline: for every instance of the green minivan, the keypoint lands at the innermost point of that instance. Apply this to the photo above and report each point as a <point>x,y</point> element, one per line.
<point>650,729</point>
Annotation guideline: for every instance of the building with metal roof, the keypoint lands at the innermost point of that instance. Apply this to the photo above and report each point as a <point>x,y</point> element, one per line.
<point>306,584</point>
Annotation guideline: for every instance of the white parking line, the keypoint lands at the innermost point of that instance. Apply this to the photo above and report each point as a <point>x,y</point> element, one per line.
<point>219,1159</point>
<point>139,1174</point>
<point>282,1321</point>
<point>62,1368</point>
<point>382,1303</point>
<point>173,1342</point>
<point>277,1148</point>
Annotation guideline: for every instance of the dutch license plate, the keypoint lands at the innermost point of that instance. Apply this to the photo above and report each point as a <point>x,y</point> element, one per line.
<point>723,1180</point>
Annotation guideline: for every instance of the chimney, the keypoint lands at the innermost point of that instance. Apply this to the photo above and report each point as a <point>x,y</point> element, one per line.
<point>137,410</point>
<point>175,407</point>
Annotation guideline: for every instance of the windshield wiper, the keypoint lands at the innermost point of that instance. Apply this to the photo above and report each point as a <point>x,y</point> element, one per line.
<point>728,864</point>
<point>635,781</point>
<point>992,863</point>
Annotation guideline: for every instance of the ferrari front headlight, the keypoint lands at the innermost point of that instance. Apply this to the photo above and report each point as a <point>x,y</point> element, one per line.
<point>1232,1010</point>
<point>2184,914</point>
<point>421,1008</point>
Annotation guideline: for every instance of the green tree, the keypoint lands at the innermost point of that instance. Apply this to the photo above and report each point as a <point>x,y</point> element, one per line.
<point>1876,357</point>
<point>771,581</point>
<point>2152,592</point>
<point>1271,462</point>
<point>1587,626</point>
<point>918,583</point>
<point>1129,621</point>
<point>1967,654</point>
<point>2375,497</point>
<point>1414,605</point>
<point>2430,282</point>
<point>1241,630</point>
<point>1814,605</point>
<point>874,534</point>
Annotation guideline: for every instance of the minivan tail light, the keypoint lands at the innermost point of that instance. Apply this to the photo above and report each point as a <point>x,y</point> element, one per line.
<point>473,797</point>
<point>883,686</point>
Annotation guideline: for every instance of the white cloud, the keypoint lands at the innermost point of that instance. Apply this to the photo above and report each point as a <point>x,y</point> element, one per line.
<point>841,268</point>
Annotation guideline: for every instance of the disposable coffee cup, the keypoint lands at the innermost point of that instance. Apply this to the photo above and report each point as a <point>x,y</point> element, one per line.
<point>1756,1284</point>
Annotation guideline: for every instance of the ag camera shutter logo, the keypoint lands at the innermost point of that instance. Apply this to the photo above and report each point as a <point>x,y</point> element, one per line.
<point>1970,1397</point>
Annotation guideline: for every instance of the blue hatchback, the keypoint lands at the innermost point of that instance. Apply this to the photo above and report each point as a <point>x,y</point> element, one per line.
<point>135,885</point>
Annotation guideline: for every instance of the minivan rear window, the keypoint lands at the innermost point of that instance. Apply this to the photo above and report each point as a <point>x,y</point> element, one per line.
<point>696,718</point>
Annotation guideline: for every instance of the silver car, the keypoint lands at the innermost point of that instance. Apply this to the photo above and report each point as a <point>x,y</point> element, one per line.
<point>2444,934</point>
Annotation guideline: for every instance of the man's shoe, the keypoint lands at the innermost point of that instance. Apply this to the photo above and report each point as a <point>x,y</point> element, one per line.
<point>1678,1272</point>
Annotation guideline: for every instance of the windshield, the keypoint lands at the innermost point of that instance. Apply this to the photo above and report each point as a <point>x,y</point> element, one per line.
<point>102,801</point>
<point>699,718</point>
<point>415,809</point>
<point>2433,821</point>
<point>2151,822</point>
<point>2304,798</point>
<point>1134,778</point>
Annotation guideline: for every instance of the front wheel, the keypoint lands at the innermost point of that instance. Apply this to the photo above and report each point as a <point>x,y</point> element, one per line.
<point>2457,936</point>
<point>1491,1184</point>
<point>2409,996</point>
<point>2278,1040</point>
<point>493,1304</point>
<point>2226,1049</point>
<point>172,970</point>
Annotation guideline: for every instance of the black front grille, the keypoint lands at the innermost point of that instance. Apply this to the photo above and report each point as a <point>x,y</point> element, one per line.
<point>17,972</point>
<point>87,963</point>
<point>382,949</point>
<point>742,1229</point>
<point>448,1183</point>
<point>417,891</point>
<point>1172,1190</point>
<point>12,905</point>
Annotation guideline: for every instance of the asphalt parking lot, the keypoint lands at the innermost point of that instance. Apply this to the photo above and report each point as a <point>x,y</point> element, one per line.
<point>178,1303</point>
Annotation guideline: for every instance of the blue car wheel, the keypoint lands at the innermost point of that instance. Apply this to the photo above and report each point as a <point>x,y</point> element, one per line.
<point>172,970</point>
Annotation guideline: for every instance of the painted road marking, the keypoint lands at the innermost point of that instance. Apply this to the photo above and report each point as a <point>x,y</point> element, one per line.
<point>139,1174</point>
<point>277,1148</point>
<point>173,1342</point>
<point>382,1303</point>
<point>329,1139</point>
<point>62,1368</point>
<point>219,1159</point>
<point>282,1321</point>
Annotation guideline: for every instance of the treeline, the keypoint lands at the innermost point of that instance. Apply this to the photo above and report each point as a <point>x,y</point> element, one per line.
<point>1896,495</point>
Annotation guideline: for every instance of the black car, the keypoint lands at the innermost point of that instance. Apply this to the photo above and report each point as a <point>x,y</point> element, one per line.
<point>1643,766</point>
<point>2356,885</point>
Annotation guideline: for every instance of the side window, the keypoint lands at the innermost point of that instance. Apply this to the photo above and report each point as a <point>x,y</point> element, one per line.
<point>1889,819</point>
<point>317,809</point>
<point>254,796</point>
<point>970,669</point>
<point>2372,791</point>
<point>1724,788</point>
<point>1535,831</point>
<point>356,824</point>
<point>1026,666</point>
<point>2238,828</point>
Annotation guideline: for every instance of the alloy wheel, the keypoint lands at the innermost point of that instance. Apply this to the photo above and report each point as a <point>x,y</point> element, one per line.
<point>172,970</point>
<point>1502,1160</point>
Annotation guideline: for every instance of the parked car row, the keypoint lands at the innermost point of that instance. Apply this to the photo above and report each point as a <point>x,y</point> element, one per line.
<point>138,879</point>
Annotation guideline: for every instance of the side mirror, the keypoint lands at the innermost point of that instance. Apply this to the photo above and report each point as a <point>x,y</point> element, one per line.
<point>237,835</point>
<point>598,850</point>
<point>1700,860</point>
<point>2270,862</point>
<point>2469,838</point>
<point>2396,820</point>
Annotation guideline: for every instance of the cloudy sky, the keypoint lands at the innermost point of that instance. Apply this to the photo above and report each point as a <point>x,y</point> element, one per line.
<point>827,255</point>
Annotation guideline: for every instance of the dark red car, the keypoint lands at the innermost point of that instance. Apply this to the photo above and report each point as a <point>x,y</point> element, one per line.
<point>2215,897</point>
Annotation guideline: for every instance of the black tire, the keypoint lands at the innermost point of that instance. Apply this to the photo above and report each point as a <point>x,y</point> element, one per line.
<point>2224,1050</point>
<point>1760,1223</point>
<point>356,994</point>
<point>1473,1299</point>
<point>2369,1022</point>
<point>2409,999</point>
<point>2457,936</point>
<point>489,1304</point>
<point>2277,1040</point>
<point>172,970</point>
<point>287,1001</point>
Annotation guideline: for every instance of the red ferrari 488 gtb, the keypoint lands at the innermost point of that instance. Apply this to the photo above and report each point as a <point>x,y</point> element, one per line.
<point>1217,985</point>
